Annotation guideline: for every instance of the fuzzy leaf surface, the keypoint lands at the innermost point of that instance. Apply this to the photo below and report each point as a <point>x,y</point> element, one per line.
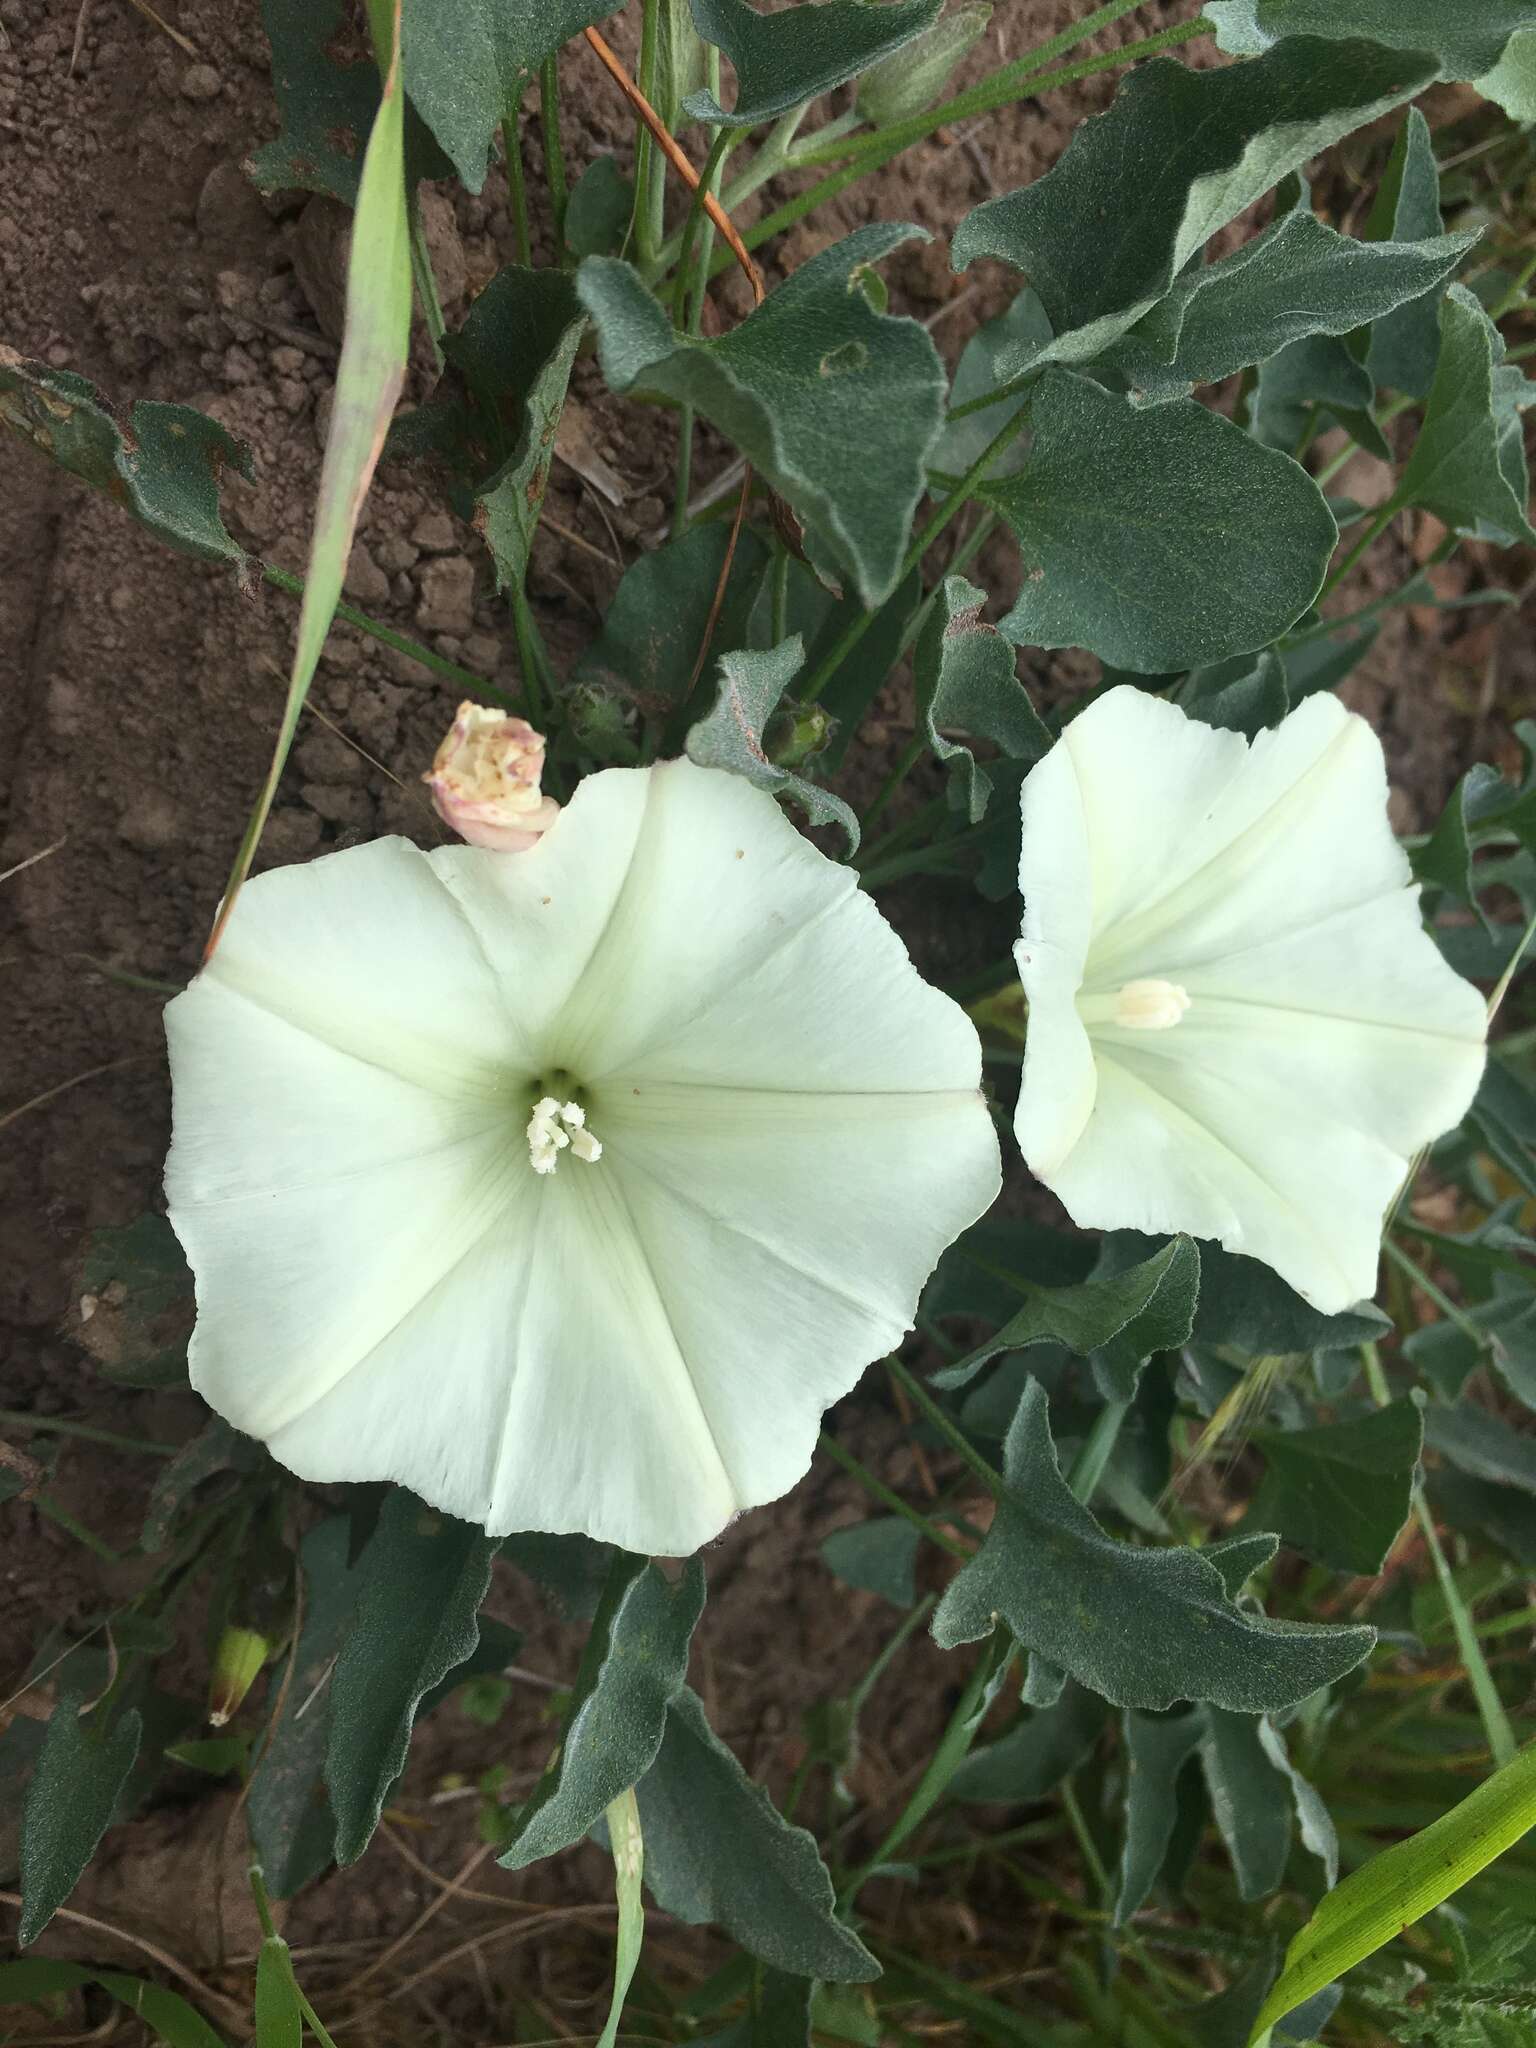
<point>717,1849</point>
<point>967,681</point>
<point>422,1579</point>
<point>1341,1492</point>
<point>80,1770</point>
<point>1179,154</point>
<point>1142,1627</point>
<point>731,737</point>
<point>1120,514</point>
<point>1405,344</point>
<point>634,1664</point>
<point>1468,464</point>
<point>1467,39</point>
<point>783,60</point>
<point>836,404</point>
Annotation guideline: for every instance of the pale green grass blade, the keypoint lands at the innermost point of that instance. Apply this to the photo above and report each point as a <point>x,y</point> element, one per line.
<point>623,1817</point>
<point>368,381</point>
<point>1377,1902</point>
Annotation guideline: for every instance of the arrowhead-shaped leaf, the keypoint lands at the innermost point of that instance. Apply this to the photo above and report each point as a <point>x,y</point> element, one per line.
<point>1041,1748</point>
<point>1179,154</point>
<point>492,429</point>
<point>967,681</point>
<point>1157,1747</point>
<point>1467,38</point>
<point>731,737</point>
<point>1405,345</point>
<point>784,59</point>
<point>653,629</point>
<point>1242,695</point>
<point>1127,1314</point>
<point>422,1578</point>
<point>836,404</point>
<point>1123,514</point>
<point>73,1791</point>
<point>165,466</point>
<point>717,1849</point>
<point>467,62</point>
<point>1341,1492</point>
<point>1143,1627</point>
<point>634,1664</point>
<point>877,1556</point>
<point>1468,465</point>
<point>988,360</point>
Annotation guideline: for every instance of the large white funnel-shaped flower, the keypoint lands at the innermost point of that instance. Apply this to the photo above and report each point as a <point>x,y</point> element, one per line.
<point>569,1189</point>
<point>1238,1026</point>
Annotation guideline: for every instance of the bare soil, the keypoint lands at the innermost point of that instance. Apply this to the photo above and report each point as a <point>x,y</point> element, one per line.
<point>139,692</point>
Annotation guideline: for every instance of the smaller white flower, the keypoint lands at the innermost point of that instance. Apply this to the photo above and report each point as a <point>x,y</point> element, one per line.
<point>485,780</point>
<point>1238,1026</point>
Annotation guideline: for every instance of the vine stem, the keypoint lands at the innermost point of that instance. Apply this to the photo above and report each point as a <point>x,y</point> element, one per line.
<point>888,1497</point>
<point>955,1437</point>
<point>554,152</point>
<point>464,678</point>
<point>61,1425</point>
<point>1384,516</point>
<point>517,189</point>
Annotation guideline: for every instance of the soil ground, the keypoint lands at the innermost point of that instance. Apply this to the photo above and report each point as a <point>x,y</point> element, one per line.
<point>139,691</point>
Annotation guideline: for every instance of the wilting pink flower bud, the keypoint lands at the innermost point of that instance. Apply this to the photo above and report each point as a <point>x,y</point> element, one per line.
<point>485,780</point>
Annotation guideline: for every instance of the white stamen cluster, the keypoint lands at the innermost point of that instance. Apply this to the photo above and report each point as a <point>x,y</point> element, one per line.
<point>556,1126</point>
<point>1150,1005</point>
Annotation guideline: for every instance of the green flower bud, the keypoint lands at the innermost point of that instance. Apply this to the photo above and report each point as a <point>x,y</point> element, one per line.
<point>795,735</point>
<point>237,1663</point>
<point>912,78</point>
<point>598,722</point>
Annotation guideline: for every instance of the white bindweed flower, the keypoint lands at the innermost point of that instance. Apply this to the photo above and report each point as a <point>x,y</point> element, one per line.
<point>485,780</point>
<point>567,1190</point>
<point>1238,1026</point>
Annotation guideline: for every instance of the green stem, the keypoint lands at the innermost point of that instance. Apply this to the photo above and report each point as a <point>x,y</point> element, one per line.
<point>461,678</point>
<point>527,656</point>
<point>51,1510</point>
<point>954,1744</point>
<point>692,281</point>
<point>858,626</point>
<point>1501,1736</point>
<point>554,154</point>
<point>269,1933</point>
<point>650,169</point>
<point>952,1434</point>
<point>1501,986</point>
<point>426,282</point>
<point>517,190</point>
<point>1351,448</point>
<point>1097,1449</point>
<point>1435,1292</point>
<point>871,152</point>
<point>1515,296</point>
<point>888,1497</point>
<point>1384,516</point>
<point>906,761</point>
<point>923,860</point>
<point>932,813</point>
<point>61,1425</point>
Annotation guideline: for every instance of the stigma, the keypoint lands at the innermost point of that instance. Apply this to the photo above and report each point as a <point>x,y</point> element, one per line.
<point>1150,1005</point>
<point>557,1127</point>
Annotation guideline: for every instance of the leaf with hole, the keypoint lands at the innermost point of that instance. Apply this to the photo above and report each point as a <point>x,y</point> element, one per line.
<point>732,736</point>
<point>420,1584</point>
<point>785,59</point>
<point>1179,154</point>
<point>1123,512</point>
<point>837,405</point>
<point>1142,1627</point>
<point>635,1662</point>
<point>718,1850</point>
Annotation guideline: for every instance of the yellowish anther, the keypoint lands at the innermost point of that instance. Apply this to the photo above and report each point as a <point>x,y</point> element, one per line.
<point>556,1127</point>
<point>1150,1005</point>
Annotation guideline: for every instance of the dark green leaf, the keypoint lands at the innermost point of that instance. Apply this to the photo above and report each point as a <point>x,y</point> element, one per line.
<point>1179,154</point>
<point>1250,1799</point>
<point>635,1662</point>
<point>1323,663</point>
<point>837,405</point>
<point>862,674</point>
<point>716,1849</point>
<point>1341,1492</point>
<point>1127,1314</point>
<point>327,108</point>
<point>216,1448</point>
<point>1142,1627</point>
<point>1242,695</point>
<point>279,2022</point>
<point>140,1287</point>
<point>1157,1746</point>
<point>1045,1745</point>
<point>980,1273</point>
<point>1405,345</point>
<point>1504,1514</point>
<point>988,360</point>
<point>780,2016</point>
<point>1245,1305</point>
<point>967,681</point>
<point>1503,1115</point>
<point>168,2017</point>
<point>1313,1818</point>
<point>782,60</point>
<point>876,1556</point>
<point>1468,38</point>
<point>491,429</point>
<point>467,61</point>
<point>1466,467</point>
<point>649,642</point>
<point>1318,371</point>
<point>292,1832</point>
<point>598,212</point>
<point>731,737</point>
<point>80,1770</point>
<point>165,466</point>
<point>1479,1444</point>
<point>497,1646</point>
<point>1121,513</point>
<point>1445,860</point>
<point>421,1581</point>
<point>571,1571</point>
<point>1298,279</point>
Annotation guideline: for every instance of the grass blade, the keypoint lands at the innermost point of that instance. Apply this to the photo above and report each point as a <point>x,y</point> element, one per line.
<point>368,381</point>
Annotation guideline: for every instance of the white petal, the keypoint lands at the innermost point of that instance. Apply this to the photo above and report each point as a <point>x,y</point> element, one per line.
<point>1325,1040</point>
